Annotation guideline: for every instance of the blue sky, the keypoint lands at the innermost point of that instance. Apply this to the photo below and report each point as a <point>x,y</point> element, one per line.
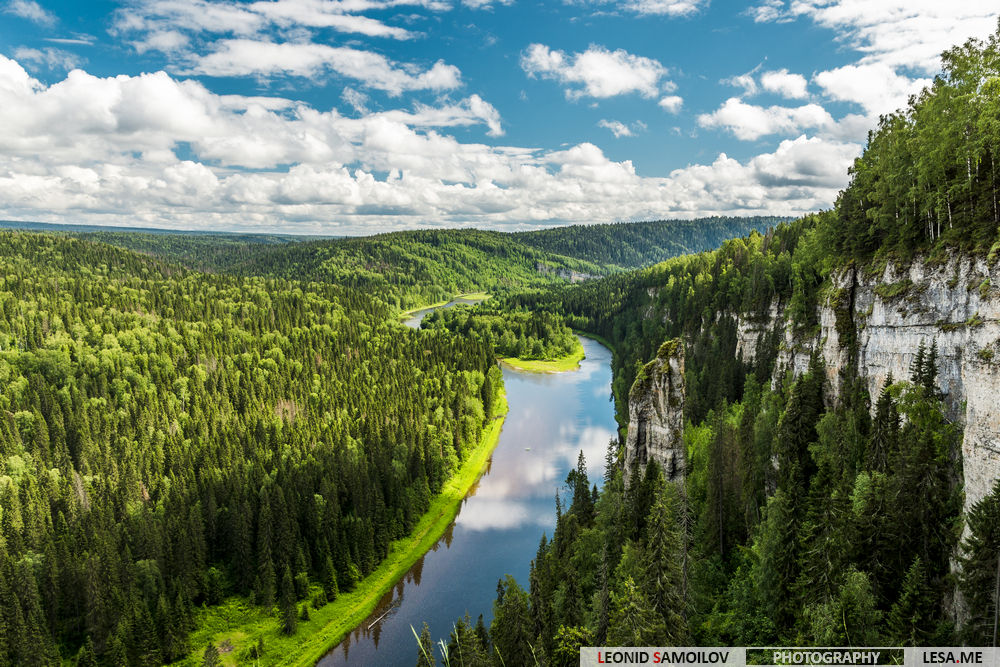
<point>358,116</point>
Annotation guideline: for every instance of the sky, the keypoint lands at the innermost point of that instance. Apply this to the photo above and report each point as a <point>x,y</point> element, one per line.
<point>363,116</point>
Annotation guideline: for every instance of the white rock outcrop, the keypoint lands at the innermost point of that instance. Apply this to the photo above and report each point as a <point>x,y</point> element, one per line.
<point>893,312</point>
<point>656,414</point>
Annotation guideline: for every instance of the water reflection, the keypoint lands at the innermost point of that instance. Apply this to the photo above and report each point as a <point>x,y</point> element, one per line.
<point>552,418</point>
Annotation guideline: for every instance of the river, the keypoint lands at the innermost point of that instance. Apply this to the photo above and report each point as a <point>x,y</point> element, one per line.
<point>552,418</point>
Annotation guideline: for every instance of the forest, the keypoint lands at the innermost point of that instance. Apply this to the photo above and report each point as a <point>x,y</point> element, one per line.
<point>193,419</point>
<point>412,269</point>
<point>630,245</point>
<point>510,333</point>
<point>803,518</point>
<point>189,420</point>
<point>170,438</point>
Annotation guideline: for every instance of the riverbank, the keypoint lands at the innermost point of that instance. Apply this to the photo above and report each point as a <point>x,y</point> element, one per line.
<point>468,295</point>
<point>569,362</point>
<point>235,626</point>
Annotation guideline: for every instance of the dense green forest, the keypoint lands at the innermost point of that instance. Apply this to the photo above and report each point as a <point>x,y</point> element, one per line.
<point>803,518</point>
<point>929,175</point>
<point>635,244</point>
<point>410,269</point>
<point>168,438</point>
<point>520,334</point>
<point>202,252</point>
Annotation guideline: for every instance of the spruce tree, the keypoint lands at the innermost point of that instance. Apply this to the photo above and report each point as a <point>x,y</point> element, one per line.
<point>425,648</point>
<point>634,621</point>
<point>885,431</point>
<point>511,627</point>
<point>979,580</point>
<point>912,616</point>
<point>210,658</point>
<point>289,610</point>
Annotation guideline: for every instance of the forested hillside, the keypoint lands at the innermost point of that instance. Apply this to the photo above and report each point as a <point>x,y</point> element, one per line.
<point>801,516</point>
<point>521,334</point>
<point>169,438</point>
<point>631,245</point>
<point>409,269</point>
<point>202,252</point>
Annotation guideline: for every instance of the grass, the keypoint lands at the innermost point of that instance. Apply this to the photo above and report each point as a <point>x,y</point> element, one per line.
<point>468,295</point>
<point>570,362</point>
<point>242,625</point>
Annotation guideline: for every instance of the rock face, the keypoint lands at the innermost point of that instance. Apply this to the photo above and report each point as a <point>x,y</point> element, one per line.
<point>890,314</point>
<point>656,414</point>
<point>877,321</point>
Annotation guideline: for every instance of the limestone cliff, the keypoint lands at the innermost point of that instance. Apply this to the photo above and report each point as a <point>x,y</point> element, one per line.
<point>889,314</point>
<point>656,413</point>
<point>877,319</point>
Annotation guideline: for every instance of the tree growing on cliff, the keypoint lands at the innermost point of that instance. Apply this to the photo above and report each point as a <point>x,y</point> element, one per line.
<point>980,577</point>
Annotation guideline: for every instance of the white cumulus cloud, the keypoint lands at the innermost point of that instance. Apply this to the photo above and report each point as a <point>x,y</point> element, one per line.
<point>241,57</point>
<point>784,83</point>
<point>896,33</point>
<point>597,72</point>
<point>750,122</point>
<point>671,103</point>
<point>875,87</point>
<point>105,150</point>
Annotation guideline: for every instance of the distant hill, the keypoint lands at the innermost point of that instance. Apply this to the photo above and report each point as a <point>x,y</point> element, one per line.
<point>635,244</point>
<point>414,268</point>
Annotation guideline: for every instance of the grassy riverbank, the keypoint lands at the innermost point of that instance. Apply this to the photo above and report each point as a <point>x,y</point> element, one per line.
<point>569,362</point>
<point>235,626</point>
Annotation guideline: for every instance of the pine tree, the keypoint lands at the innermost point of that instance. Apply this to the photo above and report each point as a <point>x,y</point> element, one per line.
<point>912,615</point>
<point>329,579</point>
<point>634,621</point>
<point>663,582</point>
<point>511,627</point>
<point>917,365</point>
<point>425,648</point>
<point>289,610</point>
<point>777,567</point>
<point>210,658</point>
<point>885,431</point>
<point>979,580</point>
<point>86,656</point>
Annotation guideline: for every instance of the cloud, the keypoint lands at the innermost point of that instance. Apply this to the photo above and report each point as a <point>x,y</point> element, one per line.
<point>896,33</point>
<point>876,87</point>
<point>165,41</point>
<point>105,150</point>
<point>792,86</point>
<point>750,122</point>
<point>324,14</point>
<point>596,72</point>
<point>618,128</point>
<point>744,81</point>
<point>669,8</point>
<point>248,19</point>
<point>31,10</point>
<point>666,7</point>
<point>485,4</point>
<point>356,99</point>
<point>671,103</point>
<point>242,57</point>
<point>49,58</point>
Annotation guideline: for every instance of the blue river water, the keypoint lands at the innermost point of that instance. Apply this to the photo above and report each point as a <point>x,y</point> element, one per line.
<point>552,418</point>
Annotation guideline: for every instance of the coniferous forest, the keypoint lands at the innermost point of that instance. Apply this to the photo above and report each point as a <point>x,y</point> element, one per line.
<point>170,438</point>
<point>189,421</point>
<point>803,517</point>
